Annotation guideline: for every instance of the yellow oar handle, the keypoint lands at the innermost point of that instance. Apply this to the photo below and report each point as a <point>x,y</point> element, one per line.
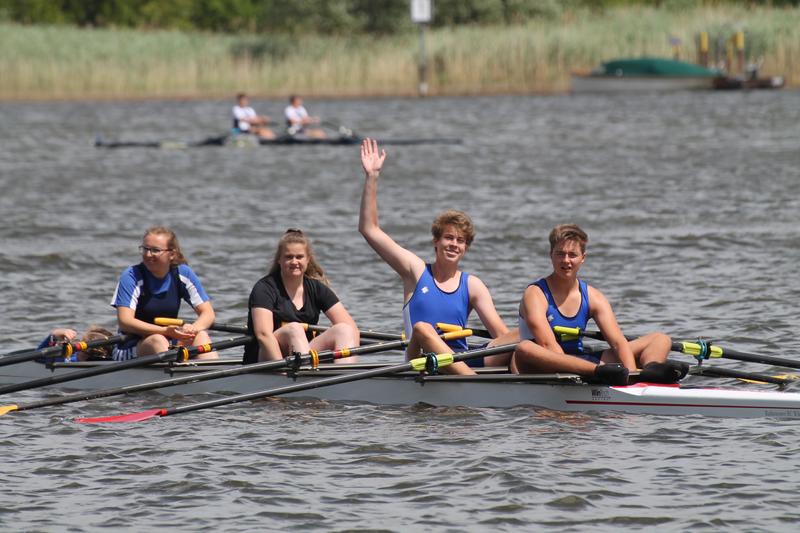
<point>567,334</point>
<point>458,334</point>
<point>163,321</point>
<point>441,326</point>
<point>695,349</point>
<point>443,359</point>
<point>304,325</point>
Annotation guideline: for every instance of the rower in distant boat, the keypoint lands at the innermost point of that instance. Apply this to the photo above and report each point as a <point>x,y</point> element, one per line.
<point>562,299</point>
<point>246,121</point>
<point>435,292</point>
<point>298,121</point>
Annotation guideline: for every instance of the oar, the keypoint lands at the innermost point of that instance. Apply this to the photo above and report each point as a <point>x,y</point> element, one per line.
<point>344,131</point>
<point>171,354</point>
<point>478,332</point>
<point>717,372</point>
<point>419,364</point>
<point>293,361</point>
<point>231,328</point>
<point>65,349</point>
<point>698,349</point>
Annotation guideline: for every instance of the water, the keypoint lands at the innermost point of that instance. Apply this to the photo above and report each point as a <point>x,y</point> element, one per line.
<point>691,204</point>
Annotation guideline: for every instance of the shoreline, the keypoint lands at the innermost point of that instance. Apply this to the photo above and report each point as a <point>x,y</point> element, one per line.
<point>53,63</point>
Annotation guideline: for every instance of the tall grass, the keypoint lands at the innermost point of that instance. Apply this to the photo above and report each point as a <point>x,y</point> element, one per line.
<point>64,62</point>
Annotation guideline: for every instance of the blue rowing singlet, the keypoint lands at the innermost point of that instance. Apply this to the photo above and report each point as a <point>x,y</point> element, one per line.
<point>555,318</point>
<point>431,304</point>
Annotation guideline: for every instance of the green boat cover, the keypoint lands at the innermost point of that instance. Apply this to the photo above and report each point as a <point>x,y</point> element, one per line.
<point>654,66</point>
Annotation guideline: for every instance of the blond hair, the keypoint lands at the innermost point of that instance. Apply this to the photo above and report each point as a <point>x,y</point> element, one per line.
<point>459,220</point>
<point>296,236</point>
<point>172,243</point>
<point>94,333</point>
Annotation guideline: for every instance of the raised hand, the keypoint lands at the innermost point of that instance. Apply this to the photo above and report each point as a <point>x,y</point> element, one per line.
<point>371,158</point>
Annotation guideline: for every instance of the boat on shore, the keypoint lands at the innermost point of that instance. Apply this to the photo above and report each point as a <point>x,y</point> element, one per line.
<point>490,388</point>
<point>645,74</point>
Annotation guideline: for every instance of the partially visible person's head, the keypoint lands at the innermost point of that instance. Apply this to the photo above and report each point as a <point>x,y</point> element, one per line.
<point>242,99</point>
<point>568,233</point>
<point>95,333</point>
<point>171,243</point>
<point>294,236</point>
<point>458,220</point>
<point>295,100</point>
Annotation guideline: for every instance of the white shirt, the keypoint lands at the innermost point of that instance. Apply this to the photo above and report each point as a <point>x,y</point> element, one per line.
<point>295,115</point>
<point>240,113</point>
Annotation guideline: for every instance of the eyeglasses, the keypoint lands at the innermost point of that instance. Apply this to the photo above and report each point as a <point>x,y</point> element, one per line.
<point>151,250</point>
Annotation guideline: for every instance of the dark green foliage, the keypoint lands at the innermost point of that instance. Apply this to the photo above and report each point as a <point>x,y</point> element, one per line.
<point>340,17</point>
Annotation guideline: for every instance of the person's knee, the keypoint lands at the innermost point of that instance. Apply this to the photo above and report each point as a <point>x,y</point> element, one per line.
<point>423,330</point>
<point>154,344</point>
<point>294,329</point>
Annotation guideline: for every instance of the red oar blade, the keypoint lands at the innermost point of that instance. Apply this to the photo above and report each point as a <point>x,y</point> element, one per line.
<point>132,417</point>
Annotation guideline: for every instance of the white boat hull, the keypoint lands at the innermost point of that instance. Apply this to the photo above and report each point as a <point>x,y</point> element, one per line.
<point>562,393</point>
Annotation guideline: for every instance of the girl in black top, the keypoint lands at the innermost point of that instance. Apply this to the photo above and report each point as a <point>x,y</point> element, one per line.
<point>295,292</point>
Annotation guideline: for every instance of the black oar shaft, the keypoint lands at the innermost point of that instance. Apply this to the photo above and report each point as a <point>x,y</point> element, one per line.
<point>346,378</point>
<point>328,355</point>
<point>114,367</point>
<point>716,371</point>
<point>51,351</point>
<point>690,347</point>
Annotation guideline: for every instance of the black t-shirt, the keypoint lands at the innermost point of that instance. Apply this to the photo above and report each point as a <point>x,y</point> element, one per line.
<point>269,293</point>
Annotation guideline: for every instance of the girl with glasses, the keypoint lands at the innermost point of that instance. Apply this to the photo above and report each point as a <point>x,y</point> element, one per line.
<point>154,288</point>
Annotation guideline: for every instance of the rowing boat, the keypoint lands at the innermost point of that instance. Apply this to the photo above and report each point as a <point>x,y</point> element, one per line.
<point>491,388</point>
<point>244,140</point>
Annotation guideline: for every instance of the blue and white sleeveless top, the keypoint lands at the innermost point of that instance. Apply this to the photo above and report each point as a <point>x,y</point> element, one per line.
<point>151,297</point>
<point>555,318</point>
<point>431,304</point>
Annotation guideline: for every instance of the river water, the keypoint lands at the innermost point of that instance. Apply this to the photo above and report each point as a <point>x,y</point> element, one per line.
<point>691,202</point>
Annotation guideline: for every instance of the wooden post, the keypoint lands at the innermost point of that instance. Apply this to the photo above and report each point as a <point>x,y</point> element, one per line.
<point>702,57</point>
<point>729,56</point>
<point>739,42</point>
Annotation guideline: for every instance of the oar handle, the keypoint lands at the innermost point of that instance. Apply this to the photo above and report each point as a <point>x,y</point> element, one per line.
<point>447,328</point>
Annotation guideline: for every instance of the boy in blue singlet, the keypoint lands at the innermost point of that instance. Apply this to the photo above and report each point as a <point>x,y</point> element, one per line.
<point>562,299</point>
<point>433,292</point>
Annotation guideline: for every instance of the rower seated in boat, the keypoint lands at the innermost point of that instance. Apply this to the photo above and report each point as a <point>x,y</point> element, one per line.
<point>562,299</point>
<point>62,335</point>
<point>436,292</point>
<point>247,121</point>
<point>154,288</point>
<point>294,293</point>
<point>299,122</point>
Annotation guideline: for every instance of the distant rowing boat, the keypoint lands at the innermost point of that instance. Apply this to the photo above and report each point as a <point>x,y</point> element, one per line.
<point>244,140</point>
<point>491,388</point>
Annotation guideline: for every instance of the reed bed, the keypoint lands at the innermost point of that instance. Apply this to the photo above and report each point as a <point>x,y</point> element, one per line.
<point>45,62</point>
